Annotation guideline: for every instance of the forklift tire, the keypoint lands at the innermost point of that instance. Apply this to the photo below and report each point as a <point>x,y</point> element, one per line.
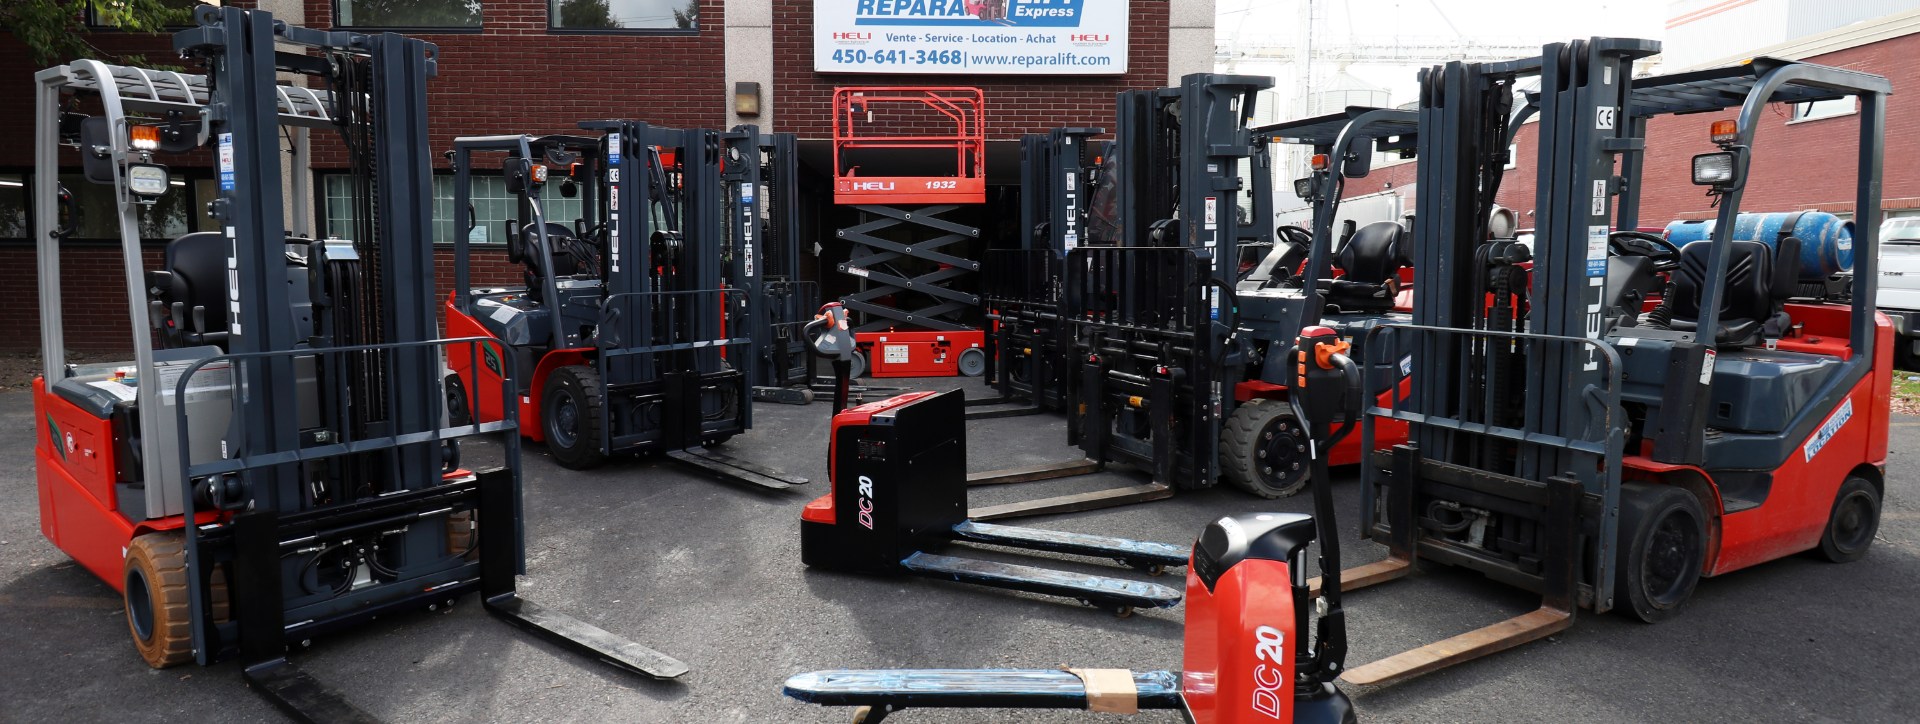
<point>459,414</point>
<point>1663,536</point>
<point>570,411</point>
<point>972,362</point>
<point>1853,522</point>
<point>156,599</point>
<point>859,367</point>
<point>1263,449</point>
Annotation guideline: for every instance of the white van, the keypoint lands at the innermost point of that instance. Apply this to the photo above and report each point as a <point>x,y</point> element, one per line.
<point>1900,286</point>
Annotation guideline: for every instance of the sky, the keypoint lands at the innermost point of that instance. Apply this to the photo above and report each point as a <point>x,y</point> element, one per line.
<point>1383,24</point>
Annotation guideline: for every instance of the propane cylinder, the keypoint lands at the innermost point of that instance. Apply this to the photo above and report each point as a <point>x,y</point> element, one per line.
<point>1826,241</point>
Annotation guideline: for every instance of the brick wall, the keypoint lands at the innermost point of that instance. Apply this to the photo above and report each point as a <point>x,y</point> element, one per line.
<point>1015,105</point>
<point>1810,164</point>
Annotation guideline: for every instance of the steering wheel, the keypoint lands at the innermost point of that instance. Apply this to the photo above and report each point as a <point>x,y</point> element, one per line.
<point>1665,255</point>
<point>1296,236</point>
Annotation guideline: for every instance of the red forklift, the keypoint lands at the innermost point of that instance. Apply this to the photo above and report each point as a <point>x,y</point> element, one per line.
<point>276,462</point>
<point>1606,417</point>
<point>636,320</point>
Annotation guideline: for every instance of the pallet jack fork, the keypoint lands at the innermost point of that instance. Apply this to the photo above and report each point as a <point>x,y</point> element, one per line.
<point>898,495</point>
<point>278,461</point>
<point>1249,654</point>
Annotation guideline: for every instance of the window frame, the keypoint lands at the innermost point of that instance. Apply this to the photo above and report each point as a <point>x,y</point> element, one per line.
<point>322,207</point>
<point>1794,116</point>
<point>554,29</point>
<point>190,175</point>
<point>333,7</point>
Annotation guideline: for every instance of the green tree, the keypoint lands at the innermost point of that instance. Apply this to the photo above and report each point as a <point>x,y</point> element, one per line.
<point>55,31</point>
<point>586,14</point>
<point>689,18</point>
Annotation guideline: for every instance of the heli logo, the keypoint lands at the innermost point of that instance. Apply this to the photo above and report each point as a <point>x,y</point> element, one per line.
<point>866,185</point>
<point>1101,38</point>
<point>866,502</point>
<point>1027,13</point>
<point>852,37</point>
<point>1270,680</point>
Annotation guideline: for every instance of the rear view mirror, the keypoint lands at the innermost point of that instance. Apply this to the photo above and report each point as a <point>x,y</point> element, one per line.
<point>1357,159</point>
<point>96,149</point>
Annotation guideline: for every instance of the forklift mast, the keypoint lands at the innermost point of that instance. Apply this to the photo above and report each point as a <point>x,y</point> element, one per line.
<point>1152,304</point>
<point>787,302</point>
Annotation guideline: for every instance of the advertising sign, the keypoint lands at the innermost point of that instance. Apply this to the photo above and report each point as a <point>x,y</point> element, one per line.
<point>971,37</point>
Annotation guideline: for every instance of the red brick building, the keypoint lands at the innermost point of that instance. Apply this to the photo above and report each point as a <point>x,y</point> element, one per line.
<point>1804,157</point>
<point>540,66</point>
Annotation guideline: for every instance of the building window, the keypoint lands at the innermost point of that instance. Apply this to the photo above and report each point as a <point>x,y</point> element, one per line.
<point>1816,110</point>
<point>614,15</point>
<point>492,206</point>
<point>407,13</point>
<point>167,217</point>
<point>13,206</point>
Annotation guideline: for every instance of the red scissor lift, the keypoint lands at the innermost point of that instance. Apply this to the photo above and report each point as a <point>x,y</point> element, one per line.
<point>889,146</point>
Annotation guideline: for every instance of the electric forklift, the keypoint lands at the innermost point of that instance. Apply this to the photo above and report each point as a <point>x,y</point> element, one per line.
<point>637,318</point>
<point>1604,417</point>
<point>1257,646</point>
<point>276,463</point>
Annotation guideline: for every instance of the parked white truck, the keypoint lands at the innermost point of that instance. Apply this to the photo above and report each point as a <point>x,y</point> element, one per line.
<point>1900,286</point>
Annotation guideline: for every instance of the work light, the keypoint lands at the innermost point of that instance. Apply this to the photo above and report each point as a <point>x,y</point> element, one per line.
<point>1303,188</point>
<point>1713,169</point>
<point>147,179</point>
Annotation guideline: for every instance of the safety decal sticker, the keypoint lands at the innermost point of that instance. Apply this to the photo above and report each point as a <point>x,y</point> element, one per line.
<point>1829,429</point>
<point>1597,250</point>
<point>226,162</point>
<point>613,150</point>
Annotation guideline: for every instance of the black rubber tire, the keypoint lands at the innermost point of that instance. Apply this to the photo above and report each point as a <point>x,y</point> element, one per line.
<point>1852,522</point>
<point>1904,357</point>
<point>155,599</point>
<point>1663,540</point>
<point>1263,449</point>
<point>972,362</point>
<point>570,413</point>
<point>459,413</point>
<point>859,367</point>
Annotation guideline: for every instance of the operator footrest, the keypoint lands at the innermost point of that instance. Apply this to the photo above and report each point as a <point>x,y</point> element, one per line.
<point>1139,554</point>
<point>728,466</point>
<point>301,697</point>
<point>987,688</point>
<point>1098,590</point>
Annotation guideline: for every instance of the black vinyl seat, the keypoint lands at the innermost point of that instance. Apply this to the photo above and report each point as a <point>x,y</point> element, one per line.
<point>1759,280</point>
<point>525,249</point>
<point>1370,263</point>
<point>188,298</point>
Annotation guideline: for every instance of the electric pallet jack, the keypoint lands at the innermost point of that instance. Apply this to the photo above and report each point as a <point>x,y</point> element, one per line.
<point>1249,609</point>
<point>276,463</point>
<point>900,493</point>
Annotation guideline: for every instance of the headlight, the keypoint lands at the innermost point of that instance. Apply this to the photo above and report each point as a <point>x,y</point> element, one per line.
<point>1713,169</point>
<point>1303,188</point>
<point>147,179</point>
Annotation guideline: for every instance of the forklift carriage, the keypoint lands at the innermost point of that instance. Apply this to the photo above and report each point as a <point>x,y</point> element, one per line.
<point>1616,424</point>
<point>276,463</point>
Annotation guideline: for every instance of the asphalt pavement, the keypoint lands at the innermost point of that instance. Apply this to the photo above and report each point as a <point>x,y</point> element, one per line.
<point>710,573</point>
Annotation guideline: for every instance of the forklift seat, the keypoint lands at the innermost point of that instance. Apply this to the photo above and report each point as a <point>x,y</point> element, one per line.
<point>563,262</point>
<point>1753,299</point>
<point>1370,261</point>
<point>188,297</point>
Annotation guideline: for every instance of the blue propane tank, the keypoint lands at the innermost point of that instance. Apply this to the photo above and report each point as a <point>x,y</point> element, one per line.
<point>1826,241</point>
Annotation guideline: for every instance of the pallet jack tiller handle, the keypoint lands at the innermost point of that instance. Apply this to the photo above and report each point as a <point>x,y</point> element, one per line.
<point>1326,389</point>
<point>830,336</point>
